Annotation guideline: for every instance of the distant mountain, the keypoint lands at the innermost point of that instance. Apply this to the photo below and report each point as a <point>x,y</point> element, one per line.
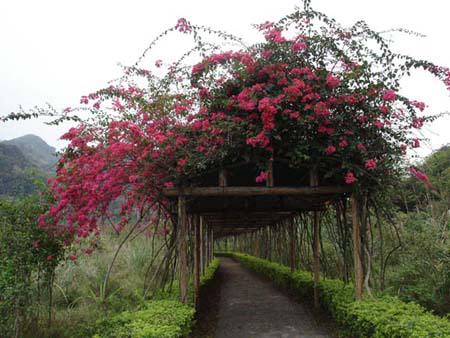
<point>37,151</point>
<point>23,161</point>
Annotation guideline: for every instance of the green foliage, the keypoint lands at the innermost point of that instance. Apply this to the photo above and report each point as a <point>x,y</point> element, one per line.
<point>382,317</point>
<point>28,257</point>
<point>161,318</point>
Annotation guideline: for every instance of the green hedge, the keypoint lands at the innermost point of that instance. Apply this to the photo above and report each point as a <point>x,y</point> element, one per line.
<point>163,318</point>
<point>383,317</point>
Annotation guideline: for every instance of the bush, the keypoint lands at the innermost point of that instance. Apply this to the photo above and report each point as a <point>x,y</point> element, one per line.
<point>28,257</point>
<point>383,317</point>
<point>161,318</point>
<point>166,318</point>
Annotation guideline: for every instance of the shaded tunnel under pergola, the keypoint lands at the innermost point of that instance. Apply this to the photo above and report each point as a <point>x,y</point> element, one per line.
<point>227,201</point>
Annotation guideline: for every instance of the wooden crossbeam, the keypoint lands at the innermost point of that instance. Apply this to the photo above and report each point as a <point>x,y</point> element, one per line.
<point>255,191</point>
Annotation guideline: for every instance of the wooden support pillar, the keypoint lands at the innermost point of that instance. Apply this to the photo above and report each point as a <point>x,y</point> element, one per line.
<point>292,242</point>
<point>211,245</point>
<point>196,224</point>
<point>182,248</point>
<point>202,246</point>
<point>223,178</point>
<point>269,173</point>
<point>314,182</point>
<point>357,249</point>
<point>316,258</point>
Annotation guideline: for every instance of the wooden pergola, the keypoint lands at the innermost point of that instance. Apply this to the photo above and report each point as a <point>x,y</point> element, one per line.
<point>227,201</point>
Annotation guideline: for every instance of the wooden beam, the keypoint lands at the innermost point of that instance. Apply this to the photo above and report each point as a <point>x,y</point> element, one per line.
<point>182,248</point>
<point>196,225</point>
<point>204,237</point>
<point>292,246</point>
<point>210,244</point>
<point>256,191</point>
<point>269,172</point>
<point>316,258</point>
<point>314,182</point>
<point>223,178</point>
<point>357,249</point>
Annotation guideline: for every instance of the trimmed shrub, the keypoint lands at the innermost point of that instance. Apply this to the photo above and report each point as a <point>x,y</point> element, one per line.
<point>165,318</point>
<point>382,317</point>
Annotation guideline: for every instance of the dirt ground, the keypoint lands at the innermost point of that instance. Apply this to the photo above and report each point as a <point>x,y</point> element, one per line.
<point>250,307</point>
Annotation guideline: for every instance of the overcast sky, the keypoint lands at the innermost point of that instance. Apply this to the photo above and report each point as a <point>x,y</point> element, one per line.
<point>55,51</point>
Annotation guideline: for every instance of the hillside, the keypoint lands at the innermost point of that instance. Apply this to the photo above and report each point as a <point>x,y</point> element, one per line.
<point>23,161</point>
<point>36,150</point>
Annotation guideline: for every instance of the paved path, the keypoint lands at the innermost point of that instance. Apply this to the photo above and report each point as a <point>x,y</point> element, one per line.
<point>253,308</point>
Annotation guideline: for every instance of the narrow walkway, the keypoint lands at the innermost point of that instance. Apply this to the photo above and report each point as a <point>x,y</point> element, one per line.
<point>253,308</point>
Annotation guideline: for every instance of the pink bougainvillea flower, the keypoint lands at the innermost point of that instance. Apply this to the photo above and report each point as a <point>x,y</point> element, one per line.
<point>183,26</point>
<point>349,178</point>
<point>330,149</point>
<point>343,143</point>
<point>168,184</point>
<point>418,174</point>
<point>415,143</point>
<point>158,63</point>
<point>72,257</point>
<point>49,258</point>
<point>370,164</point>
<point>35,244</point>
<point>378,124</point>
<point>360,147</point>
<point>261,177</point>
<point>389,95</point>
<point>332,81</point>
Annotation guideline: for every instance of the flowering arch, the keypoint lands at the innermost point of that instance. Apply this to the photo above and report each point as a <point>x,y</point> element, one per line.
<point>312,93</point>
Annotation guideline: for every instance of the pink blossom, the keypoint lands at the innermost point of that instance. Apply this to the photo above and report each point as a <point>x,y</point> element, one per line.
<point>183,26</point>
<point>343,143</point>
<point>72,257</point>
<point>389,95</point>
<point>158,63</point>
<point>384,109</point>
<point>261,177</point>
<point>360,147</point>
<point>420,175</point>
<point>415,143</point>
<point>35,244</point>
<point>370,164</point>
<point>329,150</point>
<point>349,178</point>
<point>378,124</point>
<point>332,81</point>
<point>296,46</point>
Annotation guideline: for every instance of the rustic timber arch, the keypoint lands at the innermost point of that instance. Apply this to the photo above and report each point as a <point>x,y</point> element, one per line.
<point>227,202</point>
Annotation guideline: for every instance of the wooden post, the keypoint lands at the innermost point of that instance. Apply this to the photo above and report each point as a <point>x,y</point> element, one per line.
<point>182,248</point>
<point>196,259</point>
<point>316,258</point>
<point>314,182</point>
<point>211,245</point>
<point>357,249</point>
<point>291,237</point>
<point>202,246</point>
<point>222,178</point>
<point>269,172</point>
